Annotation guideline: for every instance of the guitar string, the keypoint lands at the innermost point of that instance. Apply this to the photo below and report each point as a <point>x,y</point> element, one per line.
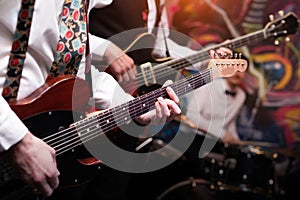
<point>175,63</point>
<point>105,128</point>
<point>161,70</point>
<point>83,139</point>
<point>70,135</point>
<point>116,116</point>
<point>94,133</point>
<point>234,43</point>
<point>76,140</point>
<point>91,136</point>
<point>61,135</point>
<point>254,37</point>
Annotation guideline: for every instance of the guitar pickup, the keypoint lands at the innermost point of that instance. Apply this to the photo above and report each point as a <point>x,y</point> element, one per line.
<point>148,73</point>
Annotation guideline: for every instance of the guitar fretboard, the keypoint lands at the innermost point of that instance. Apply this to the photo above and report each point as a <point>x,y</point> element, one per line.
<point>121,114</point>
<point>202,55</point>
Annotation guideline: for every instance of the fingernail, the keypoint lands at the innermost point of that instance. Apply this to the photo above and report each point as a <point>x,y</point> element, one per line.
<point>160,99</point>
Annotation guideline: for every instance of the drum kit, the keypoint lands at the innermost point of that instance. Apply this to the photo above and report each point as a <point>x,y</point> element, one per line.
<point>238,171</point>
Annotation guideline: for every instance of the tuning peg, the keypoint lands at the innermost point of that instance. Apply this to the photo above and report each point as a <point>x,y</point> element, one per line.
<point>287,39</point>
<point>236,55</point>
<point>281,13</point>
<point>276,42</point>
<point>271,17</point>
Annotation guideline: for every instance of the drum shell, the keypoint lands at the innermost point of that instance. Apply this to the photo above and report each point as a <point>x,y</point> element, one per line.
<point>248,168</point>
<point>200,189</point>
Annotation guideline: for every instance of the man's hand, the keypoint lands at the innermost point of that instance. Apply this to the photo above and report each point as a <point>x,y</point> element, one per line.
<point>230,139</point>
<point>222,52</point>
<point>35,162</point>
<point>165,109</point>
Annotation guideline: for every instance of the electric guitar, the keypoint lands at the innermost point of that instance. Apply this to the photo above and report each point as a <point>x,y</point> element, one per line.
<point>56,113</point>
<point>151,77</point>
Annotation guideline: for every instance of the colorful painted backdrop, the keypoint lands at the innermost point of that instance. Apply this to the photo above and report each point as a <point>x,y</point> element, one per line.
<point>272,109</point>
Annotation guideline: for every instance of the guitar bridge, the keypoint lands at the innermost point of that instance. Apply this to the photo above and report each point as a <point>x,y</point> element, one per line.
<point>148,73</point>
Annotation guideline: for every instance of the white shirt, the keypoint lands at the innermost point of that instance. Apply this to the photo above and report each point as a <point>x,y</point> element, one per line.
<point>42,44</point>
<point>211,109</point>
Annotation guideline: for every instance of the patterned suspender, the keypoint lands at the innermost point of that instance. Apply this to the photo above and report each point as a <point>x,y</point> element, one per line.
<point>70,48</point>
<point>18,51</point>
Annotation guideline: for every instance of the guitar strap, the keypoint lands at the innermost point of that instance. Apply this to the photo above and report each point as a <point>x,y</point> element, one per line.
<point>18,51</point>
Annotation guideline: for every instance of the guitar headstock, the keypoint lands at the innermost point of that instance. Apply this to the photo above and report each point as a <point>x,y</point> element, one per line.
<point>227,67</point>
<point>285,25</point>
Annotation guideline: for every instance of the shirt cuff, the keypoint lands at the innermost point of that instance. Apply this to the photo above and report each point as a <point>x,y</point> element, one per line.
<point>98,47</point>
<point>12,129</point>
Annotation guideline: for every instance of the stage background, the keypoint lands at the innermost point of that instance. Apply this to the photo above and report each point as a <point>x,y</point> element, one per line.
<point>272,109</point>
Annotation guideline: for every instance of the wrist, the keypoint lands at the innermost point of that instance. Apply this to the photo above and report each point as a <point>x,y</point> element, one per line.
<point>23,144</point>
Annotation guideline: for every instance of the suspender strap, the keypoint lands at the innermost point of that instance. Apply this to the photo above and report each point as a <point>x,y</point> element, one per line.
<point>88,73</point>
<point>18,51</point>
<point>159,9</point>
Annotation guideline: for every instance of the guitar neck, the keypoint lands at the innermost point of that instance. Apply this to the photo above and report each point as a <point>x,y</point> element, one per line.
<point>287,24</point>
<point>243,40</point>
<point>143,103</point>
<point>105,121</point>
<point>203,54</point>
<point>122,114</point>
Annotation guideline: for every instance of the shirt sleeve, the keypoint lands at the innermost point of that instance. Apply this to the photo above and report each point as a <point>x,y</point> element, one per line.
<point>12,129</point>
<point>195,106</point>
<point>98,47</point>
<point>106,90</point>
<point>232,129</point>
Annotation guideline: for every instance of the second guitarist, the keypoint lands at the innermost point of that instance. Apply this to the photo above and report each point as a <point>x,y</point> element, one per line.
<point>122,22</point>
